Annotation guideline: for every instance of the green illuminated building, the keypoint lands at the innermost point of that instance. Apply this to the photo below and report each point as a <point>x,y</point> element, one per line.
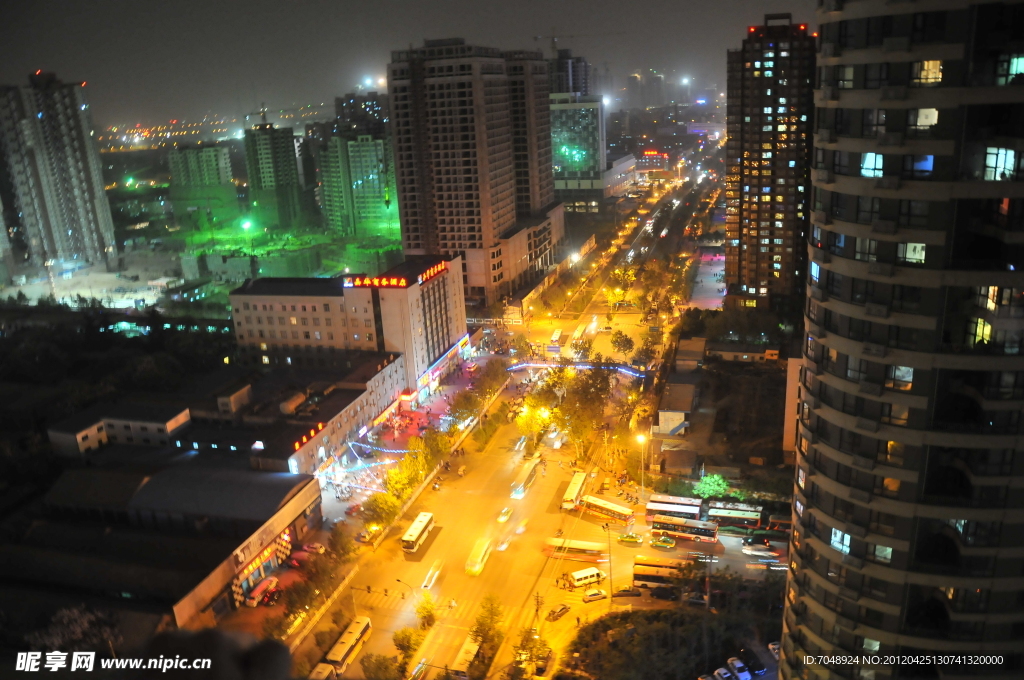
<point>275,193</point>
<point>358,189</point>
<point>578,148</point>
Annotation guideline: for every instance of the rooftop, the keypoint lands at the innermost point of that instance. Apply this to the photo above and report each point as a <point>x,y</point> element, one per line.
<point>691,350</point>
<point>272,285</point>
<point>677,397</point>
<point>138,411</point>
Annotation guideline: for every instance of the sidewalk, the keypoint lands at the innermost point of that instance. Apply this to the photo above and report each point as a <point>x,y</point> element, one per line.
<point>708,289</point>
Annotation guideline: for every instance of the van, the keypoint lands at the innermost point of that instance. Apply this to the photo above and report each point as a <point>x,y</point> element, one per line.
<point>587,576</point>
<point>323,671</point>
<point>259,590</point>
<point>478,558</point>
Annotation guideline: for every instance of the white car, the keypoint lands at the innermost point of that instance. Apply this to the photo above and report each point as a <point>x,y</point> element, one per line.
<point>773,649</point>
<point>317,548</point>
<point>504,515</point>
<point>435,571</point>
<point>738,668</point>
<point>724,674</point>
<point>594,594</point>
<point>503,544</point>
<point>760,551</point>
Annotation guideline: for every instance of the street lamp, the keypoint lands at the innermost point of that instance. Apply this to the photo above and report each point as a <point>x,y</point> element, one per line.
<point>608,530</point>
<point>411,591</point>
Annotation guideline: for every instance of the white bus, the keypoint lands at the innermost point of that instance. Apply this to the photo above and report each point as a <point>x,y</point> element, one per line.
<point>556,336</point>
<point>525,478</point>
<point>584,551</point>
<point>460,667</point>
<point>674,500</point>
<point>351,641</point>
<point>619,514</point>
<point>660,562</point>
<point>572,494</point>
<point>652,577</point>
<point>671,510</point>
<point>418,532</point>
<point>735,514</point>
<point>685,528</point>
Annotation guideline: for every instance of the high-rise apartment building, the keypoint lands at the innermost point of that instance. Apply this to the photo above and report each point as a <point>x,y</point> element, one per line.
<point>365,111</point>
<point>569,74</point>
<point>358,190</point>
<point>908,511</point>
<point>473,161</point>
<point>54,210</point>
<point>202,187</point>
<point>767,183</point>
<point>275,193</point>
<point>578,149</point>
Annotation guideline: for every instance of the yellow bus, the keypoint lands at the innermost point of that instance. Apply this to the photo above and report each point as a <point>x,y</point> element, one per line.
<point>619,514</point>
<point>478,557</point>
<point>351,641</point>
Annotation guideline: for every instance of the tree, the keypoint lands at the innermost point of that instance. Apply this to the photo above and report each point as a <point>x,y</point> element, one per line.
<point>465,405</point>
<point>581,347</point>
<point>380,667</point>
<point>274,627</point>
<point>321,573</point>
<point>325,638</point>
<point>407,641</point>
<point>532,420</point>
<point>438,445</point>
<point>485,629</point>
<point>622,343</point>
<point>531,646</point>
<point>521,345</point>
<point>644,355</point>
<point>380,509</point>
<point>712,486</point>
<point>492,377</point>
<point>298,597</point>
<point>426,610</point>
<point>340,543</point>
<point>77,629</point>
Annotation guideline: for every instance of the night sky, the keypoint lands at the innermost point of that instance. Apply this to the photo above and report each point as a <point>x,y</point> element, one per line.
<point>148,61</point>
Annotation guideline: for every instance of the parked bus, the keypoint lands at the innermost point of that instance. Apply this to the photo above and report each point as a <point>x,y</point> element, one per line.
<point>572,495</point>
<point>735,514</point>
<point>674,500</point>
<point>780,523</point>
<point>614,512</point>
<point>652,577</point>
<point>418,532</point>
<point>659,562</point>
<point>467,654</point>
<point>525,478</point>
<point>685,528</point>
<point>351,641</point>
<point>669,510</point>
<point>556,336</point>
<point>583,551</point>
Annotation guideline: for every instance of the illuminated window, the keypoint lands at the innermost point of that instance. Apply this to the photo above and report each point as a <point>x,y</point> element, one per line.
<point>910,253</point>
<point>871,165</point>
<point>840,541</point>
<point>266,359</point>
<point>899,378</point>
<point>925,73</point>
<point>1000,164</point>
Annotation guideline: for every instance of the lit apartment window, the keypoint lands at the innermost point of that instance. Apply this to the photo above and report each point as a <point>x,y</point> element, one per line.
<point>266,359</point>
<point>1010,69</point>
<point>1000,164</point>
<point>925,73</point>
<point>871,165</point>
<point>882,554</point>
<point>840,541</point>
<point>910,253</point>
<point>921,121</point>
<point>899,378</point>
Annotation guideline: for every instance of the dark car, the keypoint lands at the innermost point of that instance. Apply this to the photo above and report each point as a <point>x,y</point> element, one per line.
<point>558,613</point>
<point>543,661</point>
<point>758,540</point>
<point>665,593</point>
<point>271,597</point>
<point>627,591</point>
<point>754,664</point>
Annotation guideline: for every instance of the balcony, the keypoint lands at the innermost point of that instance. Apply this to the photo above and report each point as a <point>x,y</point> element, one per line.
<point>891,139</point>
<point>881,268</point>
<point>875,309</point>
<point>821,217</point>
<point>824,176</point>
<point>896,44</point>
<point>867,387</point>
<point>872,349</point>
<point>889,182</point>
<point>883,226</point>
<point>893,92</point>
<point>819,255</point>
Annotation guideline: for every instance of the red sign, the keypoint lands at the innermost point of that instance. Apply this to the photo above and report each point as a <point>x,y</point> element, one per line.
<point>432,272</point>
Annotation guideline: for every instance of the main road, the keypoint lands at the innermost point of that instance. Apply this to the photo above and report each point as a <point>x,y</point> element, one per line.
<point>465,510</point>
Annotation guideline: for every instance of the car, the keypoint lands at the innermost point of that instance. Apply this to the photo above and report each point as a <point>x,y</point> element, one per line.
<point>435,571</point>
<point>663,542</point>
<point>706,677</point>
<point>738,668</point>
<point>773,649</point>
<point>760,551</point>
<point>522,527</point>
<point>316,548</point>
<point>595,594</point>
<point>558,612</point>
<point>503,544</point>
<point>631,538</point>
<point>293,563</point>
<point>271,597</point>
<point>754,664</point>
<point>627,591</point>
<point>543,660</point>
<point>369,534</point>
<point>419,671</point>
<point>504,515</point>
<point>724,674</point>
<point>758,540</point>
<point>354,509</point>
<point>665,593</point>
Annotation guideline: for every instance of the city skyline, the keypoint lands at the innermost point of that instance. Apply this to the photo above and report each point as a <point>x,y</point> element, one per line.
<point>141,76</point>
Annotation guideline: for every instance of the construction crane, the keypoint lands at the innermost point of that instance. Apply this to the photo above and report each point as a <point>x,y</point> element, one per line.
<point>555,38</point>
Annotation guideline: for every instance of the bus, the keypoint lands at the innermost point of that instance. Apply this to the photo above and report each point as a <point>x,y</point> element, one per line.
<point>674,500</point>
<point>660,562</point>
<point>583,551</point>
<point>556,336</point>
<point>780,523</point>
<point>735,514</point>
<point>525,478</point>
<point>614,512</point>
<point>669,510</point>
<point>685,528</point>
<point>418,532</point>
<point>351,641</point>
<point>467,654</point>
<point>572,495</point>
<point>478,558</point>
<point>652,577</point>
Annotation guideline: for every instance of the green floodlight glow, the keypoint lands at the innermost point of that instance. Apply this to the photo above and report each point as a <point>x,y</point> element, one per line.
<point>246,225</point>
